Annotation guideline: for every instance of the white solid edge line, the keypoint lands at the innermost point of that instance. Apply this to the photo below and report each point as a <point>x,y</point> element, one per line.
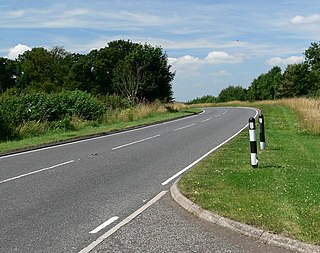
<point>122,223</point>
<point>103,225</point>
<point>34,172</point>
<point>96,138</point>
<point>205,155</point>
<point>135,142</point>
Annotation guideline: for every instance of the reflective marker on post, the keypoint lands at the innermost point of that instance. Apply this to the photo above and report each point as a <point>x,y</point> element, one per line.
<point>253,142</point>
<point>262,134</point>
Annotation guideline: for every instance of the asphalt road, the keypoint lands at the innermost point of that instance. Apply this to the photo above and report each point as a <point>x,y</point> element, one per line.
<point>55,199</point>
<point>165,227</point>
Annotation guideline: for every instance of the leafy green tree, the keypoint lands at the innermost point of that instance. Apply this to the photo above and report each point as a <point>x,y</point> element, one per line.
<point>144,74</point>
<point>297,81</point>
<point>41,69</point>
<point>265,86</point>
<point>8,74</point>
<point>312,58</point>
<point>204,99</point>
<point>232,93</point>
<point>80,75</point>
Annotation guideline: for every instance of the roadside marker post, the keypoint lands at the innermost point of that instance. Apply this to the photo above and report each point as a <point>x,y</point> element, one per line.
<point>253,142</point>
<point>262,132</point>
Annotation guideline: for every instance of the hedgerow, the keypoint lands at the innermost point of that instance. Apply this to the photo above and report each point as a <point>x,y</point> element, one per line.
<point>40,107</point>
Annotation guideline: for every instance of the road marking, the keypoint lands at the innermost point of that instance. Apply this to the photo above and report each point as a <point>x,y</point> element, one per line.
<point>135,142</point>
<point>97,138</point>
<point>206,120</point>
<point>37,171</point>
<point>217,116</point>
<point>122,223</point>
<point>204,156</point>
<point>103,225</point>
<point>180,128</point>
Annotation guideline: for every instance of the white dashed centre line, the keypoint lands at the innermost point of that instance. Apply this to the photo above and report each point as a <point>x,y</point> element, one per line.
<point>180,128</point>
<point>35,172</point>
<point>206,120</point>
<point>135,142</point>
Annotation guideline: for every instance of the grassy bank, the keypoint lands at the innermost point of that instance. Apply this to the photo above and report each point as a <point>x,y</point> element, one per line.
<point>283,194</point>
<point>39,134</point>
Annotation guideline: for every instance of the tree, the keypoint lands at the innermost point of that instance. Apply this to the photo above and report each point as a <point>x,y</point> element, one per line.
<point>265,86</point>
<point>144,74</point>
<point>130,75</point>
<point>8,74</point>
<point>296,81</point>
<point>232,93</point>
<point>204,99</point>
<point>41,69</point>
<point>312,58</point>
<point>81,74</point>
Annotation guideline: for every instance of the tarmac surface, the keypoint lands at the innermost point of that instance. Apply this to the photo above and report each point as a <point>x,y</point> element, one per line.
<point>167,227</point>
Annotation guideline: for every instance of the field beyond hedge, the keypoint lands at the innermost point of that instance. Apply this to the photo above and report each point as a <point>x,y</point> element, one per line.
<point>283,194</point>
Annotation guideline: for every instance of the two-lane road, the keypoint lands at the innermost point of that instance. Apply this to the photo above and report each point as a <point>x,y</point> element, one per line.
<point>61,198</point>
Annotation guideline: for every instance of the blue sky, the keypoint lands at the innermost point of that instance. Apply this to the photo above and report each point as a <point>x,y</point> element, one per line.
<point>210,44</point>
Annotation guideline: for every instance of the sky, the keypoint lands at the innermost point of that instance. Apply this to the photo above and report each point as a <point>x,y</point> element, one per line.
<point>210,44</point>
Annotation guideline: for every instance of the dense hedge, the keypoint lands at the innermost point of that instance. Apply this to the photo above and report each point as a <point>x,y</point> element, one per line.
<point>41,107</point>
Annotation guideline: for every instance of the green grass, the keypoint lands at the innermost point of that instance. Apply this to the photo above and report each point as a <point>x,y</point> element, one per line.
<point>90,129</point>
<point>281,196</point>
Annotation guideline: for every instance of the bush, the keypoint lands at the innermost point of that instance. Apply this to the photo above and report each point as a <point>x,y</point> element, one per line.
<point>6,130</point>
<point>16,111</point>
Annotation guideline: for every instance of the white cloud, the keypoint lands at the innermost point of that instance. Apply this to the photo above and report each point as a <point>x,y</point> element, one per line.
<point>285,61</point>
<point>17,50</point>
<point>302,20</point>
<point>186,65</point>
<point>217,57</point>
<point>185,60</point>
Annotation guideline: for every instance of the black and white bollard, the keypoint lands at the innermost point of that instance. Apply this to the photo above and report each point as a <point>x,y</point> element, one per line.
<point>262,134</point>
<point>253,142</point>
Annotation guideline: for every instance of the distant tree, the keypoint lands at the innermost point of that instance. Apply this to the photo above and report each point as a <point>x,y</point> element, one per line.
<point>312,58</point>
<point>232,93</point>
<point>297,81</point>
<point>265,86</point>
<point>204,99</point>
<point>132,70</point>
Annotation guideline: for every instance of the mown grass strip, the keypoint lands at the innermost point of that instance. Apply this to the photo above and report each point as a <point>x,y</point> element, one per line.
<point>281,196</point>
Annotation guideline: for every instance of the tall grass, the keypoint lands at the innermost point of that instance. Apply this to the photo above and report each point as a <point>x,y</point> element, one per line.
<point>308,111</point>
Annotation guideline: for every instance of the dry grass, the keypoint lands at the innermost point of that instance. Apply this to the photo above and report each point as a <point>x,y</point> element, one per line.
<point>142,110</point>
<point>308,111</point>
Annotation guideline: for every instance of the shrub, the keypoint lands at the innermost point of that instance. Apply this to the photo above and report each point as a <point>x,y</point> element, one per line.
<point>6,130</point>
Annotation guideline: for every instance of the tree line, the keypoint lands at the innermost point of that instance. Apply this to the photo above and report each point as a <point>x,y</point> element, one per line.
<point>131,70</point>
<point>297,80</point>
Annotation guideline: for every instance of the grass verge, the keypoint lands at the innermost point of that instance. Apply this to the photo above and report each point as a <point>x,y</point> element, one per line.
<point>281,196</point>
<point>115,121</point>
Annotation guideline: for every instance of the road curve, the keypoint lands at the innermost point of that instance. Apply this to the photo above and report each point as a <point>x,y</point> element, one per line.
<point>61,198</point>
